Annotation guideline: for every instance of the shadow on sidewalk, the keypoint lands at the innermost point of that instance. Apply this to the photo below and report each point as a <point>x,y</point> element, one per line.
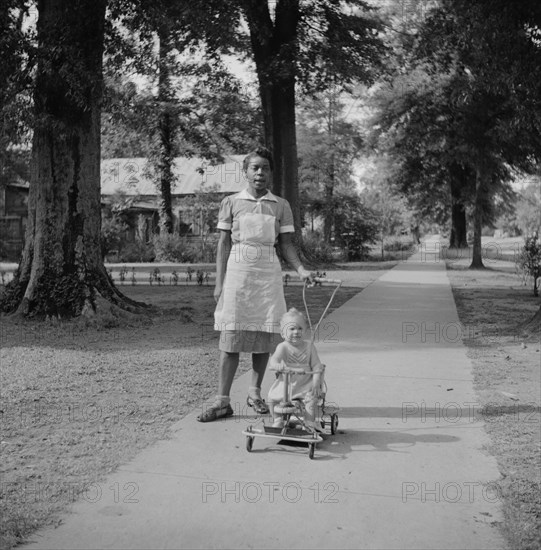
<point>345,442</point>
<point>351,441</point>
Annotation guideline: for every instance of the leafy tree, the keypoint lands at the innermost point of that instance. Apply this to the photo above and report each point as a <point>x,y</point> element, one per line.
<point>528,208</point>
<point>158,33</point>
<point>311,44</point>
<point>389,212</point>
<point>328,144</point>
<point>125,120</point>
<point>461,119</point>
<point>18,61</point>
<point>491,52</point>
<point>61,271</point>
<point>356,225</point>
<point>193,107</point>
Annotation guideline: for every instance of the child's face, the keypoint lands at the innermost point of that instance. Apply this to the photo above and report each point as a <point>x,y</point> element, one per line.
<point>293,332</point>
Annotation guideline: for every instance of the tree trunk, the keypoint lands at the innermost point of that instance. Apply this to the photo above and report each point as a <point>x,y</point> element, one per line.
<point>61,271</point>
<point>329,205</point>
<point>480,186</point>
<point>165,133</point>
<point>458,237</point>
<point>330,182</point>
<point>286,173</point>
<point>274,46</point>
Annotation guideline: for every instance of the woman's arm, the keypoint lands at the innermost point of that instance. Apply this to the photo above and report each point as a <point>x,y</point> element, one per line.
<point>222,255</point>
<point>289,252</point>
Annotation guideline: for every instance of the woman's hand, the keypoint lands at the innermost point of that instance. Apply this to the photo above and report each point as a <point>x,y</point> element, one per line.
<point>305,274</point>
<point>217,292</point>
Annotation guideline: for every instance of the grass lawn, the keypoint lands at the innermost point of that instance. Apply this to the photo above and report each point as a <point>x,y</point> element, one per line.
<point>492,304</point>
<point>77,403</point>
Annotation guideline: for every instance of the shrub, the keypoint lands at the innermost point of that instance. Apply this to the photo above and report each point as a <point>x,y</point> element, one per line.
<point>137,251</point>
<point>320,251</point>
<point>174,248</point>
<point>398,245</point>
<point>171,248</point>
<point>529,260</point>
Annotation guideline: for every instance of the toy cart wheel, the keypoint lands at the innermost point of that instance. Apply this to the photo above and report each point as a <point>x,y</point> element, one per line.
<point>311,450</point>
<point>334,423</point>
<point>249,442</point>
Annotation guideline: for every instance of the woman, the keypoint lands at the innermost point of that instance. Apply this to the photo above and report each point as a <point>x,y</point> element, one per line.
<point>249,291</point>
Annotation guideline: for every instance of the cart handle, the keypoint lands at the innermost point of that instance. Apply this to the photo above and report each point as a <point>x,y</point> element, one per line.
<point>338,283</point>
<point>291,370</point>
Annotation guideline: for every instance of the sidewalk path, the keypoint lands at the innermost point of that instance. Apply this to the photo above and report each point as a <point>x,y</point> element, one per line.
<point>408,468</point>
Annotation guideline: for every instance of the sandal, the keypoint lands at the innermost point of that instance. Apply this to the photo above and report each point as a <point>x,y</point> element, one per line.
<point>258,404</point>
<point>215,412</point>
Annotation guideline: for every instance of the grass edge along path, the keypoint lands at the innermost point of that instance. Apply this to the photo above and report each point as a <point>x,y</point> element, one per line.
<point>492,304</point>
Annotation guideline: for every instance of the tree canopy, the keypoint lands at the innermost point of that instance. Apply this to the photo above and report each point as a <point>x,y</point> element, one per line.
<point>467,112</point>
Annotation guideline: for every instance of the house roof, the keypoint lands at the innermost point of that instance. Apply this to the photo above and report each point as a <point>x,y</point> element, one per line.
<point>130,176</point>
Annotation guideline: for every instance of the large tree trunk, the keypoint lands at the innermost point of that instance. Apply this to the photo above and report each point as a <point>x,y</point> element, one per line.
<point>61,271</point>
<point>274,46</point>
<point>458,238</point>
<point>480,186</point>
<point>286,174</point>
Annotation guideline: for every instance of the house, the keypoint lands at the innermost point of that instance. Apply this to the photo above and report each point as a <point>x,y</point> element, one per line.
<point>126,185</point>
<point>13,216</point>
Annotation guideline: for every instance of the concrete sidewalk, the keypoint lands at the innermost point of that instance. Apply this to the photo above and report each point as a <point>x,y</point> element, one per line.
<point>407,468</point>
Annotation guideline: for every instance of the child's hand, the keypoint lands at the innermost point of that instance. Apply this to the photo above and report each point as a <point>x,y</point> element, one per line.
<point>281,366</point>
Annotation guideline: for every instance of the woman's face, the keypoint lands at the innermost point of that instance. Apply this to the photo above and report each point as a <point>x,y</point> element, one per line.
<point>258,174</point>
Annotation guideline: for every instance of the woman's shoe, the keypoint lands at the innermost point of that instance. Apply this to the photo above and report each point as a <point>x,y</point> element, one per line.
<point>258,404</point>
<point>214,412</point>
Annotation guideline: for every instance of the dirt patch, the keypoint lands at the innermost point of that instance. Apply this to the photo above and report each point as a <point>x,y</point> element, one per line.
<point>492,305</point>
<point>77,403</point>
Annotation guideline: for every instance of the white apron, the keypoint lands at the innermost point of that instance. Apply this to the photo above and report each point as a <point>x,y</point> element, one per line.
<point>252,295</point>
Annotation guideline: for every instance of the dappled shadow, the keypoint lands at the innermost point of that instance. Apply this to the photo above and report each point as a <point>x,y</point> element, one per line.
<point>346,442</point>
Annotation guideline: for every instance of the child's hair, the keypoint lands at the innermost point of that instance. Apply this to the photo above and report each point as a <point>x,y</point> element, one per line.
<point>293,315</point>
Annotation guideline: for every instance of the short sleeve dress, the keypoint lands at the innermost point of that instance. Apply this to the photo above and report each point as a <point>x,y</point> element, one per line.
<point>252,302</point>
<point>301,356</point>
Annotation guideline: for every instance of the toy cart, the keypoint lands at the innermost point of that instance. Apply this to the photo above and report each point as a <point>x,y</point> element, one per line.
<point>292,411</point>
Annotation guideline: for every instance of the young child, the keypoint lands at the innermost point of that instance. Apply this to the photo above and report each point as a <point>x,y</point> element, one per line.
<point>295,352</point>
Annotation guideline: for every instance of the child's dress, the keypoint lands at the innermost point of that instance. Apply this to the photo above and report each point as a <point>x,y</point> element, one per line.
<point>302,356</point>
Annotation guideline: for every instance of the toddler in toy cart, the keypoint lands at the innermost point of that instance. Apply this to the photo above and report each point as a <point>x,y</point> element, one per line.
<point>295,352</point>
